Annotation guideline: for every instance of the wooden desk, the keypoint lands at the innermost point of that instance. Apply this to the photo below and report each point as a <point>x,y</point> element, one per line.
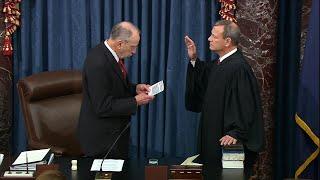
<point>133,169</point>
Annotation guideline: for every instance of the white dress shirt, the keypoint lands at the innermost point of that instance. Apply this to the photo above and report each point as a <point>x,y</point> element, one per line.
<point>221,58</point>
<point>112,51</point>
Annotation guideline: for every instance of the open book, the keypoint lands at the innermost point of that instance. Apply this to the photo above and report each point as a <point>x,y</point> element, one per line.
<point>29,159</point>
<point>31,156</point>
<point>189,161</point>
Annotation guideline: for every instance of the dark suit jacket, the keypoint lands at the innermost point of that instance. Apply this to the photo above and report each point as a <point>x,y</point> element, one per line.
<point>108,103</point>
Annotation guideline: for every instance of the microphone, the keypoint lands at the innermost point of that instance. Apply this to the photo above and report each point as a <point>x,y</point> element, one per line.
<point>27,162</point>
<point>17,173</point>
<point>100,174</point>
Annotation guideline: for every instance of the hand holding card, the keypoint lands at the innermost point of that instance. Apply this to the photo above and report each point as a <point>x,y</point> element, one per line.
<point>156,88</point>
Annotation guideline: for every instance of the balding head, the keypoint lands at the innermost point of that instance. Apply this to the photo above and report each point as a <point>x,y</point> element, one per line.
<point>124,39</point>
<point>123,31</point>
<point>231,30</point>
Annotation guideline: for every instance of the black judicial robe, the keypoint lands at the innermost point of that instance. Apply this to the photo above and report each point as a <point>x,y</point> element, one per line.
<point>227,95</point>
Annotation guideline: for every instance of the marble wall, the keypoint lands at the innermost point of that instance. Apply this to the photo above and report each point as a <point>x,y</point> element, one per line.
<point>306,10</point>
<point>258,22</point>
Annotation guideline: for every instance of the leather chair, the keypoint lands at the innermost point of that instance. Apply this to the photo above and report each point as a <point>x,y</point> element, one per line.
<point>51,102</point>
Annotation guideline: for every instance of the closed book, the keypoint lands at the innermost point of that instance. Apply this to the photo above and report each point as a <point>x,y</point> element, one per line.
<point>234,147</point>
<point>233,152</point>
<point>232,164</point>
<point>238,156</point>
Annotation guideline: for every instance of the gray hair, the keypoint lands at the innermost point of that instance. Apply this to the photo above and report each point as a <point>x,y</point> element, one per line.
<point>123,31</point>
<point>231,30</point>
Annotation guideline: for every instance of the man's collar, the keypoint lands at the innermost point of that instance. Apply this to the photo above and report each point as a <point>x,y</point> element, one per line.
<point>227,55</point>
<point>112,51</point>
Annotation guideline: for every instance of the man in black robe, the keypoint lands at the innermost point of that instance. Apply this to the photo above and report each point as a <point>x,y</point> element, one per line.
<point>226,93</point>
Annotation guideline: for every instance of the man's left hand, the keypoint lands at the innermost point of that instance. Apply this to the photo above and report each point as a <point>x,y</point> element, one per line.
<point>227,140</point>
<point>142,88</point>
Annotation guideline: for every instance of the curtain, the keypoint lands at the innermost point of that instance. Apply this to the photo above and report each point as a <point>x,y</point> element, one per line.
<point>57,34</point>
<point>288,58</point>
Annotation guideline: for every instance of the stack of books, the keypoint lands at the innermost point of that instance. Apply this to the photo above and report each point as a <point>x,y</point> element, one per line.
<point>232,156</point>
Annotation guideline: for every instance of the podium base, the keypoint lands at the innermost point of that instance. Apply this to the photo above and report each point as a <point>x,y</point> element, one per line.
<point>103,176</point>
<point>18,174</point>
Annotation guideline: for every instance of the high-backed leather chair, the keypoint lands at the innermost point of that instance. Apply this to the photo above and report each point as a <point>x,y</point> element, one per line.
<point>51,102</point>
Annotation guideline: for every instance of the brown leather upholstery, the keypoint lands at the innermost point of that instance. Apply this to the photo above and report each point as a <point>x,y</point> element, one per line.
<point>51,103</point>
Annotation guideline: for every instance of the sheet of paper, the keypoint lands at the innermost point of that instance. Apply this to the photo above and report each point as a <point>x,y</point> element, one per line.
<point>189,161</point>
<point>33,156</point>
<point>156,88</point>
<point>113,165</point>
<point>1,158</point>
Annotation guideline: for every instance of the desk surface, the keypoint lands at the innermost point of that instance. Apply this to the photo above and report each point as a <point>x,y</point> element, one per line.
<point>133,169</point>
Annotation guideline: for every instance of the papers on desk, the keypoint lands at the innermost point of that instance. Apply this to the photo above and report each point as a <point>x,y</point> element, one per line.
<point>189,161</point>
<point>1,158</point>
<point>156,88</point>
<point>31,156</point>
<point>113,165</point>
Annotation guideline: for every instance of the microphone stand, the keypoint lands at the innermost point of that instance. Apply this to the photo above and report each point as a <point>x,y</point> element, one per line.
<point>20,174</point>
<point>27,162</point>
<point>101,174</point>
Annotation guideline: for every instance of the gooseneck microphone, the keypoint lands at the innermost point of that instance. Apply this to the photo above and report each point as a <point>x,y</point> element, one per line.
<point>100,174</point>
<point>27,162</point>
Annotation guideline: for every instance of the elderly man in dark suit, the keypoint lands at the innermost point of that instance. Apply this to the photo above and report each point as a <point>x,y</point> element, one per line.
<point>109,98</point>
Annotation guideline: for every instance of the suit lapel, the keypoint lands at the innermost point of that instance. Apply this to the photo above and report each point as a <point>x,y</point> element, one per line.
<point>114,64</point>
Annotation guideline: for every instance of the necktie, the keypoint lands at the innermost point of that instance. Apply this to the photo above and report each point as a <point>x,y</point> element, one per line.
<point>218,62</point>
<point>123,68</point>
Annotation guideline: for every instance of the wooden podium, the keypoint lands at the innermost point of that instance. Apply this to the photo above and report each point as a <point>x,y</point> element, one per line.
<point>185,172</point>
<point>173,172</point>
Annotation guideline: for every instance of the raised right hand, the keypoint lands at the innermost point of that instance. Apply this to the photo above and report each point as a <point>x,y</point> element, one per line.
<point>143,99</point>
<point>191,48</point>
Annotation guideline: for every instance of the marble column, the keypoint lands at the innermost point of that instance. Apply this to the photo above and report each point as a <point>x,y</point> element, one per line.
<point>305,14</point>
<point>258,22</point>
